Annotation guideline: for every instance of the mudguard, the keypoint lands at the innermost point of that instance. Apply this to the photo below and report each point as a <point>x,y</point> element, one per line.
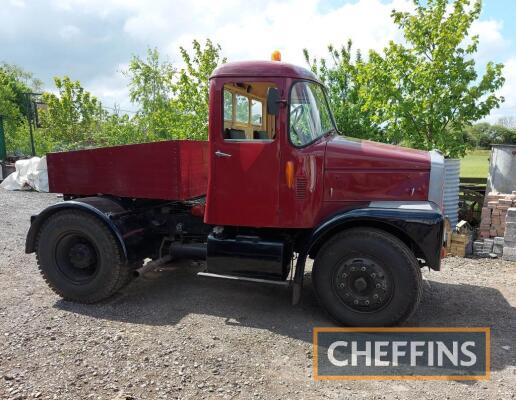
<point>101,207</point>
<point>420,224</point>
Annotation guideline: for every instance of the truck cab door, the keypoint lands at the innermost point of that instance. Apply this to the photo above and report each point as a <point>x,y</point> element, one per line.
<point>309,121</point>
<point>244,155</point>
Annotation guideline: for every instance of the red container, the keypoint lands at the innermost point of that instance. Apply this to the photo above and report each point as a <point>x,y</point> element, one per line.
<point>169,170</point>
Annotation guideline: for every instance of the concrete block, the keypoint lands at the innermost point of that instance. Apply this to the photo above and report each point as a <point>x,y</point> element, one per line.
<point>511,213</point>
<point>509,258</point>
<point>488,245</point>
<point>510,238</point>
<point>498,240</point>
<point>510,227</point>
<point>509,243</point>
<point>509,252</point>
<point>498,250</point>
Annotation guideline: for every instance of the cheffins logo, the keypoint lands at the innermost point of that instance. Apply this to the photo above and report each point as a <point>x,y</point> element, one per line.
<point>401,353</point>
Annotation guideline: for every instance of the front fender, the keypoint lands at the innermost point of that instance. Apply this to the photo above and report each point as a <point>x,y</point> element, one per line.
<point>100,207</point>
<point>422,226</point>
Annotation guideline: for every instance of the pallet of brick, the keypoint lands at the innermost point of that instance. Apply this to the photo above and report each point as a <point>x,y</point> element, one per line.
<point>492,204</point>
<point>505,202</point>
<point>485,222</point>
<point>493,216</point>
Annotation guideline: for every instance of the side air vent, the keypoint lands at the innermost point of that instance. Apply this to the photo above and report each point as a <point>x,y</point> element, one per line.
<point>301,184</point>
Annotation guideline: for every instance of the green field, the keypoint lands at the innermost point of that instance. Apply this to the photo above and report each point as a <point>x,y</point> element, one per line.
<point>475,164</point>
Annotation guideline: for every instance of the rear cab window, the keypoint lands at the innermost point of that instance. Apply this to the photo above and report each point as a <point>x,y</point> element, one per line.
<point>245,116</point>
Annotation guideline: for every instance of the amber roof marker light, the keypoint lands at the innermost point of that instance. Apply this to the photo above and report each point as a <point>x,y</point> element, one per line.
<point>276,55</point>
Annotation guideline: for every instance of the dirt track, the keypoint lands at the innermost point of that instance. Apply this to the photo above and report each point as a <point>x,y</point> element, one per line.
<point>172,334</point>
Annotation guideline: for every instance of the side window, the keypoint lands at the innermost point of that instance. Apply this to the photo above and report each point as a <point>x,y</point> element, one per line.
<point>256,112</point>
<point>244,105</point>
<point>242,109</point>
<point>228,106</point>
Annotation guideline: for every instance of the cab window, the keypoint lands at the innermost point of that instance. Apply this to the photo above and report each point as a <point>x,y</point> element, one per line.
<point>244,109</point>
<point>310,116</point>
<point>228,106</point>
<point>256,112</point>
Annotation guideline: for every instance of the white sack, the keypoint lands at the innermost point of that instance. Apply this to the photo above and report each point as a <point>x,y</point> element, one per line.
<point>30,174</point>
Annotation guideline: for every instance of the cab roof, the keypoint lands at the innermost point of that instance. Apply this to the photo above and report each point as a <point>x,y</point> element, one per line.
<point>262,68</point>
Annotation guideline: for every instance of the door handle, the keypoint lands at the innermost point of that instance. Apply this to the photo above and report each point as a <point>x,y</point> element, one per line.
<point>219,153</point>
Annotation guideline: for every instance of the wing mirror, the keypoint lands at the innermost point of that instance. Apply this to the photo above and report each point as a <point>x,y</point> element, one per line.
<point>273,101</point>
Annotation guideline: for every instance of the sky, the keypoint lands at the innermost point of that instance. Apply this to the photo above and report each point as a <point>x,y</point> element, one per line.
<point>93,40</point>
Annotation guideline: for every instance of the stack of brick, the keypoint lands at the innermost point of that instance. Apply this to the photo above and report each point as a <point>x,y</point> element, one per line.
<point>509,244</point>
<point>490,247</point>
<point>494,216</point>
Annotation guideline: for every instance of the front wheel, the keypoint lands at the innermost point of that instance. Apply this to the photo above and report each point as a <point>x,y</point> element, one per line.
<point>79,257</point>
<point>367,277</point>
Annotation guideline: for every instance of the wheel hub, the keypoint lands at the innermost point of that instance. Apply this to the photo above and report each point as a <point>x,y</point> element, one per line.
<point>81,255</point>
<point>360,284</point>
<point>76,258</point>
<point>363,284</point>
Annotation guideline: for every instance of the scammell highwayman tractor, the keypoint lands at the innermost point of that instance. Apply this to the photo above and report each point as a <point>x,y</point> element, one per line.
<point>275,185</point>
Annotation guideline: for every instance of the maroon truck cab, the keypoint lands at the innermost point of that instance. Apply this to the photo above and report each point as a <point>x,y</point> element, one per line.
<point>274,183</point>
<point>330,174</point>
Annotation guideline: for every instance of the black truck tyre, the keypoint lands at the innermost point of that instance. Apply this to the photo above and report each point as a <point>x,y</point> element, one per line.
<point>367,277</point>
<point>79,257</point>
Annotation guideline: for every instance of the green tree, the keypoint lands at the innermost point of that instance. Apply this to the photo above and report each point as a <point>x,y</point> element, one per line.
<point>117,129</point>
<point>340,76</point>
<point>191,89</point>
<point>173,103</point>
<point>72,118</point>
<point>150,88</point>
<point>427,91</point>
<point>483,134</point>
<point>14,84</point>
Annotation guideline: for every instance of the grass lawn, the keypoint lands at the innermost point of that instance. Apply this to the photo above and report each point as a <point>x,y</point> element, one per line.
<point>475,164</point>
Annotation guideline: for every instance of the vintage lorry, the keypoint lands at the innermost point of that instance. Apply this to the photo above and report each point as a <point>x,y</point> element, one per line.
<point>275,184</point>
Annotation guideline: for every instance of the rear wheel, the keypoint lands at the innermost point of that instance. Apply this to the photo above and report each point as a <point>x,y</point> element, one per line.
<point>79,257</point>
<point>367,277</point>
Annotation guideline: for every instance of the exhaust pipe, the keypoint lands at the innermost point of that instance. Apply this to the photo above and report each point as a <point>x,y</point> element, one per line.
<point>177,251</point>
<point>189,251</point>
<point>151,265</point>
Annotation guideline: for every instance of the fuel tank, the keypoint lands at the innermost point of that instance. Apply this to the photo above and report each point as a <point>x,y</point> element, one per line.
<point>361,170</point>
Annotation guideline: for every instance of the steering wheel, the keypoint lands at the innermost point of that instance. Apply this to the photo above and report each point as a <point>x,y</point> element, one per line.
<point>295,116</point>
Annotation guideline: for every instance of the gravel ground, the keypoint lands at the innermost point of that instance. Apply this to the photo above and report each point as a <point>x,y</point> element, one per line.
<point>172,334</point>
